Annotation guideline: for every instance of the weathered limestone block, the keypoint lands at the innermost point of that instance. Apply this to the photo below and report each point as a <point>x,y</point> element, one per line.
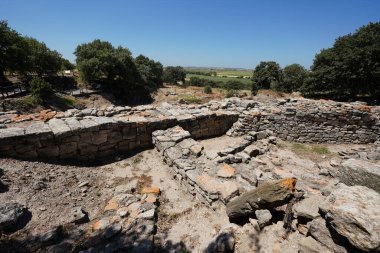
<point>38,129</point>
<point>11,132</point>
<point>89,124</point>
<point>48,152</point>
<point>308,207</point>
<point>100,137</point>
<point>114,137</point>
<point>265,196</point>
<point>353,212</point>
<point>252,150</point>
<point>321,233</point>
<point>59,127</point>
<point>359,172</point>
<point>67,148</point>
<point>73,124</point>
<point>87,149</point>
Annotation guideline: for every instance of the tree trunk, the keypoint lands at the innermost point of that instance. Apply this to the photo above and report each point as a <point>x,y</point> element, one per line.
<point>266,196</point>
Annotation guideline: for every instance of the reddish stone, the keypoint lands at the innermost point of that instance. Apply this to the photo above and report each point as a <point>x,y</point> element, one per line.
<point>153,190</point>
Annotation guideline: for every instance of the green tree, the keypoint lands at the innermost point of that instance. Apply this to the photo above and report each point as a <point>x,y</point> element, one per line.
<point>267,74</point>
<point>100,62</point>
<point>294,76</point>
<point>150,71</point>
<point>351,67</point>
<point>42,60</point>
<point>67,65</point>
<point>174,74</point>
<point>14,51</point>
<point>40,89</point>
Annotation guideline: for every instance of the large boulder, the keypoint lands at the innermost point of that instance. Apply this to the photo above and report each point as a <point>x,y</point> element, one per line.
<point>359,172</point>
<point>266,196</point>
<point>12,216</point>
<point>354,212</point>
<point>320,232</point>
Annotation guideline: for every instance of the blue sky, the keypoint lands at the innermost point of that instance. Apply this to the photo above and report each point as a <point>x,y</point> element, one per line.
<point>220,33</point>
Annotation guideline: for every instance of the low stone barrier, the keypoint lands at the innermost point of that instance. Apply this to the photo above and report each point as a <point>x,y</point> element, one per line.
<point>211,179</point>
<point>92,137</point>
<point>313,121</point>
<point>87,134</point>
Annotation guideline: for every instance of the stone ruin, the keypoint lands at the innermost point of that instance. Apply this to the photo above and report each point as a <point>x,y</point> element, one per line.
<point>343,219</point>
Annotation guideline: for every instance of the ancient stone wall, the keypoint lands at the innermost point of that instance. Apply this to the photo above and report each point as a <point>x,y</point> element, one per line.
<point>87,134</point>
<point>93,137</point>
<point>306,121</point>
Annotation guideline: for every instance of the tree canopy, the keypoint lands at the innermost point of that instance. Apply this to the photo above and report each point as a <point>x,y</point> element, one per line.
<point>293,77</point>
<point>174,74</point>
<point>42,60</point>
<point>351,67</point>
<point>13,50</point>
<point>25,54</point>
<point>267,74</point>
<point>129,79</point>
<point>150,71</point>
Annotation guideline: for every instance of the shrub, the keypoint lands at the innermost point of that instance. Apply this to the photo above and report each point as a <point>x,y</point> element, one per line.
<point>189,100</point>
<point>196,81</point>
<point>234,85</point>
<point>40,89</point>
<point>231,93</point>
<point>255,89</point>
<point>207,89</point>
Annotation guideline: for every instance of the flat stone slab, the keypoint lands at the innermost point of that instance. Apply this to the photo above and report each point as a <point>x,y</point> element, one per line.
<point>359,172</point>
<point>354,211</point>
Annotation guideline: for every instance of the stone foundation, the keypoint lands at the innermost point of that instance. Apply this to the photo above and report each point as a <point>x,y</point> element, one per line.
<point>84,135</point>
<point>92,137</point>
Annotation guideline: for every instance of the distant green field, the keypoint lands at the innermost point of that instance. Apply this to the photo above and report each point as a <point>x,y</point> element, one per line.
<point>246,81</point>
<point>235,72</point>
<point>223,72</point>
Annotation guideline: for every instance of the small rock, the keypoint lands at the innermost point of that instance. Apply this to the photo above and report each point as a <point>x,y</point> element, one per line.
<point>196,149</point>
<point>324,172</point>
<point>148,214</point>
<point>309,245</point>
<point>226,171</point>
<point>308,207</point>
<point>78,215</point>
<point>12,215</point>
<point>153,190</point>
<point>51,236</point>
<point>263,217</point>
<point>224,242</point>
<point>375,155</point>
<point>86,183</point>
